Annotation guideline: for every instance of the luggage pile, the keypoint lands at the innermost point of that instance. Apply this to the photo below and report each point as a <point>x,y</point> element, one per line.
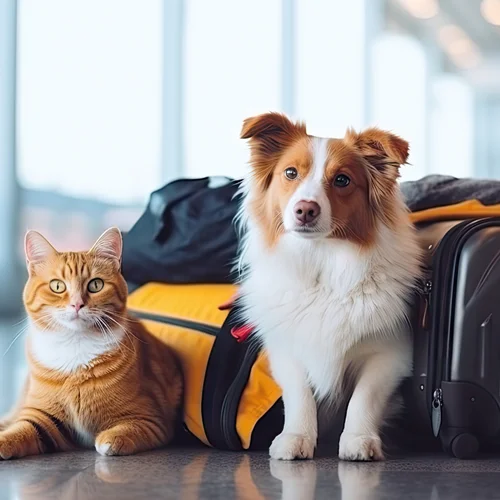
<point>178,261</point>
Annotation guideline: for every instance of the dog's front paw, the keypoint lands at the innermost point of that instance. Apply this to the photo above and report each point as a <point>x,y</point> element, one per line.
<point>359,447</point>
<point>292,447</point>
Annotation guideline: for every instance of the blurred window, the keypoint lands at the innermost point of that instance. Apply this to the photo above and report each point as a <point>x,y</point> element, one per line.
<point>330,61</point>
<point>232,70</point>
<point>90,97</point>
<point>89,112</point>
<point>399,95</point>
<point>452,127</point>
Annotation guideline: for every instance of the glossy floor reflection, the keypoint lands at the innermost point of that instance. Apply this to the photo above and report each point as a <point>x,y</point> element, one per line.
<point>199,473</point>
<point>189,474</point>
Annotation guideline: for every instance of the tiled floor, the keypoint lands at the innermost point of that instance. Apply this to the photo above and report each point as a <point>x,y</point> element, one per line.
<point>200,473</point>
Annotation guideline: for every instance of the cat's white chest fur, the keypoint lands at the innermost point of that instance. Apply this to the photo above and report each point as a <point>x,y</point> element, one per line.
<point>67,351</point>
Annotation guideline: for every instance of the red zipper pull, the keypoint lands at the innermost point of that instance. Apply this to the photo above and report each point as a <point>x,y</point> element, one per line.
<point>241,333</point>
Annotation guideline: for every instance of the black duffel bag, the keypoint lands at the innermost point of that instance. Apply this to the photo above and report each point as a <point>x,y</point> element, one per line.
<point>185,235</point>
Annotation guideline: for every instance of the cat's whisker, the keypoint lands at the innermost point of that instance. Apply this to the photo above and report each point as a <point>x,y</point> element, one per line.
<point>48,324</point>
<point>20,333</point>
<point>52,323</point>
<point>102,326</point>
<point>14,341</point>
<point>127,332</point>
<point>44,318</point>
<point>117,341</point>
<point>103,330</point>
<point>122,344</point>
<point>134,320</point>
<point>108,316</point>
<point>20,322</point>
<point>119,316</point>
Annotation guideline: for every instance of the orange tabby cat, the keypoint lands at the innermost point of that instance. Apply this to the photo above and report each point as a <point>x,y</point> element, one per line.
<point>97,377</point>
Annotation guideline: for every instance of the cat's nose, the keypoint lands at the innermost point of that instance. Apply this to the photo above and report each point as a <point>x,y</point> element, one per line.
<point>77,305</point>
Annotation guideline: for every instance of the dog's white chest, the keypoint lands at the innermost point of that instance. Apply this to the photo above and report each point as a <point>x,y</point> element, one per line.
<point>322,317</point>
<point>312,325</point>
<point>322,304</point>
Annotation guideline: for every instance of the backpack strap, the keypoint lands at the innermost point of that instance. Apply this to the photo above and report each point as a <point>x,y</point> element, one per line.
<point>226,376</point>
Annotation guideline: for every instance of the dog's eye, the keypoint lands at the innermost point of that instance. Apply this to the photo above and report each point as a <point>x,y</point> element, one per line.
<point>291,173</point>
<point>341,181</point>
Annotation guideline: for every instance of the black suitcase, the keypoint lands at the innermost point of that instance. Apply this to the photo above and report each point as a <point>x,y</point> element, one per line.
<point>455,390</point>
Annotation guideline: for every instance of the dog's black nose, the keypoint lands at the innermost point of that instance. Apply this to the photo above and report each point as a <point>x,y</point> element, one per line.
<point>306,211</point>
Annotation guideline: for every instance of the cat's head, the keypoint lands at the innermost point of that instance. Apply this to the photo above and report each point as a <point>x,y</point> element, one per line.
<point>77,291</point>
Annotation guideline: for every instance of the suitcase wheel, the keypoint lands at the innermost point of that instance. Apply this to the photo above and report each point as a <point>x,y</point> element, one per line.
<point>464,446</point>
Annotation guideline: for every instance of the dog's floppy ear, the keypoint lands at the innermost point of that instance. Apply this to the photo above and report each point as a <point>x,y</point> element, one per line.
<point>273,130</point>
<point>382,149</point>
<point>269,134</point>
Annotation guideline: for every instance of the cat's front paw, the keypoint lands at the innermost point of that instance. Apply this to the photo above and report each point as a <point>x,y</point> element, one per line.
<point>8,449</point>
<point>292,447</point>
<point>109,445</point>
<point>360,447</point>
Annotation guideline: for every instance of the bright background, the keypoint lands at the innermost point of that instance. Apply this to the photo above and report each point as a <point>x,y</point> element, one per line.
<point>110,99</point>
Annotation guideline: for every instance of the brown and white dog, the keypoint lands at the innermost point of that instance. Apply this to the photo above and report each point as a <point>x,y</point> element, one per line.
<point>330,260</point>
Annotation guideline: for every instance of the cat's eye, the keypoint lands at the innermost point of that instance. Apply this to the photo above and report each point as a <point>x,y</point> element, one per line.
<point>95,285</point>
<point>57,286</point>
<point>341,181</point>
<point>291,173</point>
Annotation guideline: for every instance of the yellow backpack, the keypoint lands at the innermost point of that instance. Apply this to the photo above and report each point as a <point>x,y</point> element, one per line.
<point>230,399</point>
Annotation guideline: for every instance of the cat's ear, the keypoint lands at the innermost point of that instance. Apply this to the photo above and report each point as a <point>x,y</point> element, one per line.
<point>37,248</point>
<point>109,245</point>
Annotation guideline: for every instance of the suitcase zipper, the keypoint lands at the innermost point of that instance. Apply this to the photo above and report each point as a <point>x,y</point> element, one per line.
<point>437,403</point>
<point>426,290</point>
<point>437,326</point>
<point>437,395</point>
<point>182,323</point>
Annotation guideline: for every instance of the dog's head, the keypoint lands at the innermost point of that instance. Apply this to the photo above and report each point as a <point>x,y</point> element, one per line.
<point>321,188</point>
